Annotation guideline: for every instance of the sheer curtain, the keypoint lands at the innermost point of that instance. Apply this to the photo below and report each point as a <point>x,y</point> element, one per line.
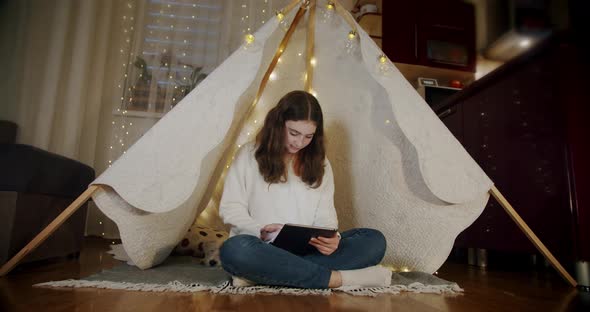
<point>59,59</point>
<point>165,48</point>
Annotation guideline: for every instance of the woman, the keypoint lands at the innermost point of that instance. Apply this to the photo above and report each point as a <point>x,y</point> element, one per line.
<point>285,178</point>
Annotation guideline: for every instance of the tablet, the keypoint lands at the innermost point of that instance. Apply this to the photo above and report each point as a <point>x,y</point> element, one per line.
<point>295,238</point>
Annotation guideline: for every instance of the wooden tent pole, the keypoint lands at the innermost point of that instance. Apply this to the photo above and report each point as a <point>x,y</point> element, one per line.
<point>275,59</point>
<point>43,235</point>
<point>531,236</point>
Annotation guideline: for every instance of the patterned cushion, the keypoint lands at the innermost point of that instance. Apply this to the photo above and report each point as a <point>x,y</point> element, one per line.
<point>203,243</point>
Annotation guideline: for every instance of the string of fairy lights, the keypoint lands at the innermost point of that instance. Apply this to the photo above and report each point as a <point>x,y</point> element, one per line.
<point>119,137</point>
<point>120,126</point>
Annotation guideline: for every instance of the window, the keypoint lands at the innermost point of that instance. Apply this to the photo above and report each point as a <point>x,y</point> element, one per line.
<point>175,48</point>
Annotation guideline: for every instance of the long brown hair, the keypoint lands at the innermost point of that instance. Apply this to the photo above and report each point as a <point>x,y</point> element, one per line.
<point>309,161</point>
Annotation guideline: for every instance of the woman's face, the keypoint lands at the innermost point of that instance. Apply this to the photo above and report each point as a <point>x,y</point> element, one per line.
<point>298,134</point>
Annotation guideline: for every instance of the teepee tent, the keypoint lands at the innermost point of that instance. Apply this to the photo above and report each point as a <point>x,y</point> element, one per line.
<point>396,166</point>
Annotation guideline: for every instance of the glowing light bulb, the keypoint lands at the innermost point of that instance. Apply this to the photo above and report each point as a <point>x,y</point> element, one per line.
<point>328,12</point>
<point>280,15</point>
<point>249,38</point>
<point>282,20</point>
<point>313,61</point>
<point>384,67</point>
<point>250,43</point>
<point>351,42</point>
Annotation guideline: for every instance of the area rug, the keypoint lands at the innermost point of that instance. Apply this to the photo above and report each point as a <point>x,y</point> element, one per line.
<point>185,274</point>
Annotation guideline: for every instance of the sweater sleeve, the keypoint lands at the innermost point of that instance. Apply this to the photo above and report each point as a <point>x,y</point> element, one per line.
<point>326,212</point>
<point>233,207</point>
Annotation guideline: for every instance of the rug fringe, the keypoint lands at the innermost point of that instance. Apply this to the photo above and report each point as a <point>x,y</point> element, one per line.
<point>247,290</point>
<point>174,286</point>
<point>226,288</point>
<point>396,289</point>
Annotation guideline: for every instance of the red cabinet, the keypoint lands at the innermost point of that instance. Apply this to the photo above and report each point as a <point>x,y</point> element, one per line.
<point>525,125</point>
<point>436,33</point>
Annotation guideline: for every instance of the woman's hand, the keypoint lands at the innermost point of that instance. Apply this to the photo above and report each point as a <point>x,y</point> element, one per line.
<point>325,245</point>
<point>270,231</point>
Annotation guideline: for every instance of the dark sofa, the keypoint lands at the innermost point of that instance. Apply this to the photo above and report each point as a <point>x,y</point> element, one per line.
<point>35,187</point>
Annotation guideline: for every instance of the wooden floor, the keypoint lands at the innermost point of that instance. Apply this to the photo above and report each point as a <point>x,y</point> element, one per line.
<point>484,291</point>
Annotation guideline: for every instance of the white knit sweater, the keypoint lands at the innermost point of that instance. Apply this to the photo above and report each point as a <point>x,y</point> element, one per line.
<point>249,203</point>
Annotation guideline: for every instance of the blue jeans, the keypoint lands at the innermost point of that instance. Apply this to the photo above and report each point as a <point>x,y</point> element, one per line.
<point>249,257</point>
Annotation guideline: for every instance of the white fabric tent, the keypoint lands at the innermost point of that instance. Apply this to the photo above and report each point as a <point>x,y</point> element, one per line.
<point>397,168</point>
